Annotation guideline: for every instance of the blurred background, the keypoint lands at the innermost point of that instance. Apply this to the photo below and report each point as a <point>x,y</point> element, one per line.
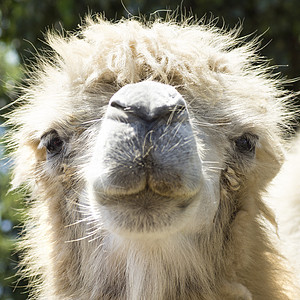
<point>23,22</point>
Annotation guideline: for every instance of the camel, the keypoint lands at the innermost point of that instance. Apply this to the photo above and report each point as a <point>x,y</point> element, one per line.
<point>147,148</point>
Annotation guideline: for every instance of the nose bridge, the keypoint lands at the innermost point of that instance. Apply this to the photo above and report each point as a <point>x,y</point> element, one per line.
<point>148,100</point>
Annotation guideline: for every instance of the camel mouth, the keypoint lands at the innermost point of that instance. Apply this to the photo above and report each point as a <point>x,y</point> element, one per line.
<point>146,198</point>
<point>131,184</point>
<point>145,212</point>
<point>163,183</point>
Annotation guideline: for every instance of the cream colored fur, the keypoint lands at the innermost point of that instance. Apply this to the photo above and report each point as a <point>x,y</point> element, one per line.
<point>68,251</point>
<point>284,198</point>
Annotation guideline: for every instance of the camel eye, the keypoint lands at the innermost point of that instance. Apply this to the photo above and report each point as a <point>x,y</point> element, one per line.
<point>246,143</point>
<point>53,143</point>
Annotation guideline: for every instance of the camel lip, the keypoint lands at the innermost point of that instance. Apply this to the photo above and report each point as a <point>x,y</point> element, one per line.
<point>145,213</point>
<point>152,190</point>
<point>145,192</point>
<point>145,198</point>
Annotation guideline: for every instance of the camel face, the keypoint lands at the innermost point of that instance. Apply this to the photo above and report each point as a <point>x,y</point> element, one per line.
<point>146,173</point>
<point>147,148</point>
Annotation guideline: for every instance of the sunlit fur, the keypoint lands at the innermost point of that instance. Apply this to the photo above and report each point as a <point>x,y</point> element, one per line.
<point>284,197</point>
<point>68,253</point>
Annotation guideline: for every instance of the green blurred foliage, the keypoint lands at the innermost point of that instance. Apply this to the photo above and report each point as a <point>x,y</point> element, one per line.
<point>11,210</point>
<point>23,22</point>
<point>10,73</point>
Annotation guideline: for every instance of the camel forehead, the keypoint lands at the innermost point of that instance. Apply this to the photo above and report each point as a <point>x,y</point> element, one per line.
<point>129,52</point>
<point>146,89</point>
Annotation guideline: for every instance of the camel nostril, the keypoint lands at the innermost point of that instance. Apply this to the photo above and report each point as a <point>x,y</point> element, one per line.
<point>117,105</point>
<point>178,109</point>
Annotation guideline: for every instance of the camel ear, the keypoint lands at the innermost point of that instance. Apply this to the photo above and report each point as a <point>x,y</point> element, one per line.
<point>25,161</point>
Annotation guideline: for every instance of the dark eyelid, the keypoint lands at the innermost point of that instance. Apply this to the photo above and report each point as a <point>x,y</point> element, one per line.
<point>44,137</point>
